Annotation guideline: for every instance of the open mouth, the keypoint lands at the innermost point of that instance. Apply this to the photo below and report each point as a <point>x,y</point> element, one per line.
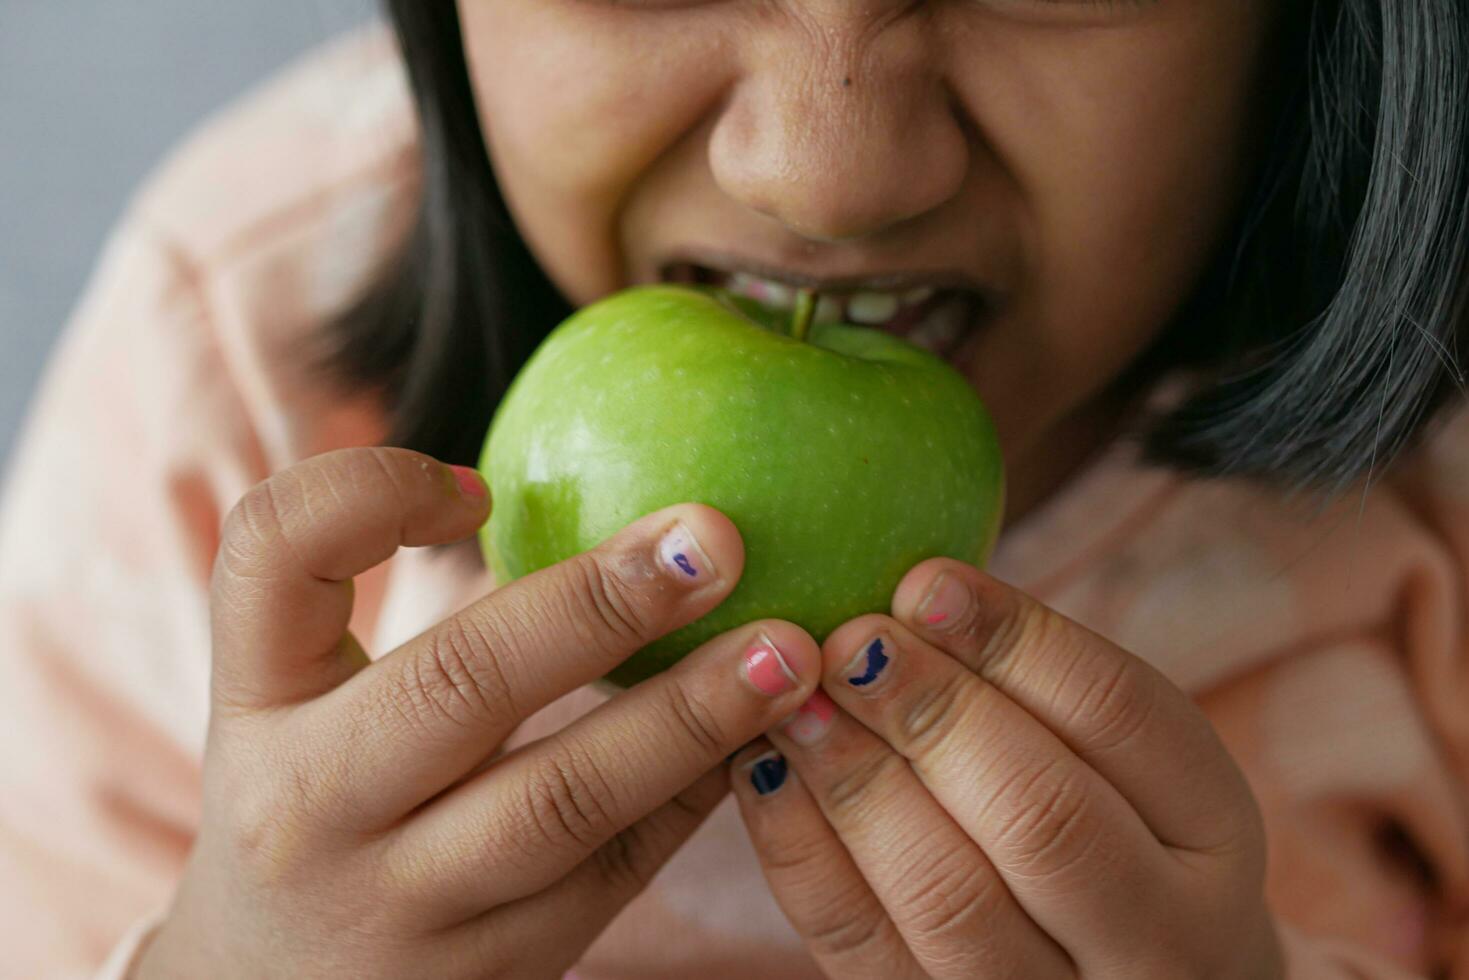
<point>938,319</point>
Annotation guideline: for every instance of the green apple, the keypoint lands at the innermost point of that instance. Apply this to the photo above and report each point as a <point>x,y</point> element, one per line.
<point>843,454</point>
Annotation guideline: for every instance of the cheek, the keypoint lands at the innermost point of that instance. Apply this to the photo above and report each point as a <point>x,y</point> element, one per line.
<point>576,105</point>
<point>1128,161</point>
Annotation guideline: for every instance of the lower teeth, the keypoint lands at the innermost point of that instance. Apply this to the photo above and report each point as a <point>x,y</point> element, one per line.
<point>941,328</point>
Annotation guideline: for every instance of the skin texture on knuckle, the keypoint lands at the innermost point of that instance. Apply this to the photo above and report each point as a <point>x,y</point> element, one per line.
<point>353,486</point>
<point>934,714</point>
<point>1008,636</point>
<point>1111,708</point>
<point>277,515</point>
<point>497,844</point>
<point>848,795</point>
<point>697,723</point>
<point>452,685</point>
<point>627,861</point>
<point>309,773</point>
<point>846,928</point>
<point>254,530</point>
<point>269,842</point>
<point>568,804</point>
<point>1046,824</point>
<point>381,469</point>
<point>798,861</point>
<point>617,595</point>
<point>946,895</point>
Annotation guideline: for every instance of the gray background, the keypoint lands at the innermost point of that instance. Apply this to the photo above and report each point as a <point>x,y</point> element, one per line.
<point>92,95</point>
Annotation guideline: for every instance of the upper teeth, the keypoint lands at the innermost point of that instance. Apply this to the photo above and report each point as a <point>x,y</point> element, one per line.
<point>828,310</point>
<point>940,326</point>
<point>873,308</point>
<point>870,307</point>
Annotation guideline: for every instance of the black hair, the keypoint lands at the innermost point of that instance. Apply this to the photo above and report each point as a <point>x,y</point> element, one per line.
<point>462,305</point>
<point>1319,343</point>
<point>1328,333</point>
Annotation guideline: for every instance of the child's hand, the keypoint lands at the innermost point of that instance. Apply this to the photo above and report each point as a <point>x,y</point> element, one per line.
<point>998,792</point>
<point>356,822</point>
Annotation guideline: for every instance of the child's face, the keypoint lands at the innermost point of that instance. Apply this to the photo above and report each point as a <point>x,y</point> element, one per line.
<point>1074,159</point>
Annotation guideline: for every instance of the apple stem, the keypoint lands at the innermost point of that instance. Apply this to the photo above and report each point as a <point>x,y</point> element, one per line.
<point>804,313</point>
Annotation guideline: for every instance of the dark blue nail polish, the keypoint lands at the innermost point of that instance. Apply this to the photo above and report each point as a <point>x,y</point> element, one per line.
<point>876,661</point>
<point>768,772</point>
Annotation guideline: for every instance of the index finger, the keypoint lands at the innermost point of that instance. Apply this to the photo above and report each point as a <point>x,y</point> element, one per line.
<point>425,715</point>
<point>281,592</point>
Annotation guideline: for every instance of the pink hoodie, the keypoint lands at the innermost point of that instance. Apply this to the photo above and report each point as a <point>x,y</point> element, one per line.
<point>1331,652</point>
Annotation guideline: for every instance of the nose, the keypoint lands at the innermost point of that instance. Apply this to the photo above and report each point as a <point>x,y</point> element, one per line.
<point>841,125</point>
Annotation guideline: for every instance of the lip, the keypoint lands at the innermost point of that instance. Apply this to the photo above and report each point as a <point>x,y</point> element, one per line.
<point>837,281</point>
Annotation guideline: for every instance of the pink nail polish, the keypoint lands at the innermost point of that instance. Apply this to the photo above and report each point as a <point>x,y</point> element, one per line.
<point>767,669</point>
<point>945,603</point>
<point>471,484</point>
<point>812,720</point>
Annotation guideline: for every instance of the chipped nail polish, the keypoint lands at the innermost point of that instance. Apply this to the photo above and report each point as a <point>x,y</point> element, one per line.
<point>681,555</point>
<point>869,664</point>
<point>767,772</point>
<point>471,484</point>
<point>767,669</point>
<point>812,720</point>
<point>945,602</point>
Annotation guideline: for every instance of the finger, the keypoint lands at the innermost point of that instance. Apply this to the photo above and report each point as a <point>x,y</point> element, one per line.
<point>545,808</point>
<point>579,906</point>
<point>1072,851</point>
<point>425,715</point>
<point>1116,712</point>
<point>936,883</point>
<point>811,875</point>
<point>281,594</point>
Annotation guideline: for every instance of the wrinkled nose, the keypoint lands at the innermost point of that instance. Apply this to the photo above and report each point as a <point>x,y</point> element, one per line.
<point>841,125</point>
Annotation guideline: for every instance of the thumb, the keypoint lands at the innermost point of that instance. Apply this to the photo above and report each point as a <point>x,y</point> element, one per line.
<point>281,595</point>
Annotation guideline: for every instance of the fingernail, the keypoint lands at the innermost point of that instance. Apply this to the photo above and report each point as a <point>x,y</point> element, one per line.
<point>681,555</point>
<point>812,720</point>
<point>471,484</point>
<point>945,603</point>
<point>767,772</point>
<point>767,669</point>
<point>869,665</point>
